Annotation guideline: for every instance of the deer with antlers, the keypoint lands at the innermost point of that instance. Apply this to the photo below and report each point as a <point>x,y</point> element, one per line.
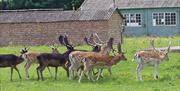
<point>152,57</point>
<point>100,61</point>
<point>55,60</point>
<point>76,57</point>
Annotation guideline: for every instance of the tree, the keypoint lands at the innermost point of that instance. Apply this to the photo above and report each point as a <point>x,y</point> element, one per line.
<point>39,4</point>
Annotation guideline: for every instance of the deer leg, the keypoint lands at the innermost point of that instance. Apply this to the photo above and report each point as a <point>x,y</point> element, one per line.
<point>11,73</point>
<point>110,71</point>
<point>41,72</point>
<point>70,72</point>
<point>56,69</point>
<point>37,70</point>
<point>137,71</point>
<point>141,68</point>
<point>18,72</point>
<point>90,75</point>
<point>80,77</point>
<point>67,70</point>
<point>50,71</point>
<point>99,74</point>
<point>155,71</point>
<point>27,66</point>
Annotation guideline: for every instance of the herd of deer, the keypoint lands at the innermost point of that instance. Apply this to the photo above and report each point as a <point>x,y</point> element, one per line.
<point>82,62</point>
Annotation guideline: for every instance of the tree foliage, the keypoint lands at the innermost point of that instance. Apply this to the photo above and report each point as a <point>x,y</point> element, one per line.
<point>39,4</point>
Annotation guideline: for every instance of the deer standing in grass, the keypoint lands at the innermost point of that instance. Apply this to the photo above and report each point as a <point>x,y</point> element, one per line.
<point>100,61</point>
<point>150,57</point>
<point>31,58</point>
<point>77,56</point>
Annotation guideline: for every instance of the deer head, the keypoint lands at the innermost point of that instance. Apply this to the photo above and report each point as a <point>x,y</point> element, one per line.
<point>100,46</point>
<point>24,50</point>
<point>90,42</point>
<point>54,48</point>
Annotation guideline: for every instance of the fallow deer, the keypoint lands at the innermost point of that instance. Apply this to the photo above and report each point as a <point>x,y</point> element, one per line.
<point>150,57</point>
<point>100,61</point>
<point>77,56</point>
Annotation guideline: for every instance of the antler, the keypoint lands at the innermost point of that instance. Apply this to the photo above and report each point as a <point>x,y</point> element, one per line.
<point>61,40</point>
<point>64,41</point>
<point>152,44</point>
<point>89,40</point>
<point>168,49</point>
<point>96,35</point>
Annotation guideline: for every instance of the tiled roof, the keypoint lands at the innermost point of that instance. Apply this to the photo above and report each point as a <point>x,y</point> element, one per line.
<point>97,5</point>
<point>125,4</point>
<point>12,16</point>
<point>122,4</point>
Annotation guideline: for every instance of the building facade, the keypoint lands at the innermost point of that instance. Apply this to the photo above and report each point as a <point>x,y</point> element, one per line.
<point>151,17</point>
<point>144,17</point>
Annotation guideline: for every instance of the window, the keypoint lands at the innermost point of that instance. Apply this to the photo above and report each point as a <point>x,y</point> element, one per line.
<point>164,19</point>
<point>132,19</point>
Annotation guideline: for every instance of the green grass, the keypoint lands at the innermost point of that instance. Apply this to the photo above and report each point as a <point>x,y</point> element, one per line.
<point>123,78</point>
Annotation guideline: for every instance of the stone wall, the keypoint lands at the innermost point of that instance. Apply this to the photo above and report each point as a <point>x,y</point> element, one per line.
<point>47,33</point>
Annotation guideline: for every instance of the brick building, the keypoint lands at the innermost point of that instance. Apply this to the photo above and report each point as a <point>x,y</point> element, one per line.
<point>38,27</point>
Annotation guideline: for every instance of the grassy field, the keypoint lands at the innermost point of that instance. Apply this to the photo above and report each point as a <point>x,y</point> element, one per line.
<point>123,78</point>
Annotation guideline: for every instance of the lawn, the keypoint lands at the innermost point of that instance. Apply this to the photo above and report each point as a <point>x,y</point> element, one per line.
<point>123,78</point>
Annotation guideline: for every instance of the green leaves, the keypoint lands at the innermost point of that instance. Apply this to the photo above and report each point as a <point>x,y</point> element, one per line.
<point>40,4</point>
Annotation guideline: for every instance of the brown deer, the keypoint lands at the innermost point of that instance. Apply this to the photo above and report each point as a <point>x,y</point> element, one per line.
<point>77,56</point>
<point>100,61</point>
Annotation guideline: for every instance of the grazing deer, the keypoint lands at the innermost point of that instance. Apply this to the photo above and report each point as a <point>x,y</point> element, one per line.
<point>76,57</point>
<point>151,57</point>
<point>100,61</point>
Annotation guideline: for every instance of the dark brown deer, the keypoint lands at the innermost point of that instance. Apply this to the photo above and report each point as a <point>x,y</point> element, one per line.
<point>11,60</point>
<point>55,60</point>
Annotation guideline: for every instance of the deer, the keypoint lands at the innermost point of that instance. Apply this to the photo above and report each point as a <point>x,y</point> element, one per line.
<point>11,60</point>
<point>76,57</point>
<point>100,61</point>
<point>31,58</point>
<point>151,58</point>
<point>55,60</point>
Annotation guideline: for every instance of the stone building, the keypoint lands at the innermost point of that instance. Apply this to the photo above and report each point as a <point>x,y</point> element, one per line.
<point>38,27</point>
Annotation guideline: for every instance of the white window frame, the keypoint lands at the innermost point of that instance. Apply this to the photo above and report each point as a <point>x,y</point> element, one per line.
<point>164,19</point>
<point>129,18</point>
